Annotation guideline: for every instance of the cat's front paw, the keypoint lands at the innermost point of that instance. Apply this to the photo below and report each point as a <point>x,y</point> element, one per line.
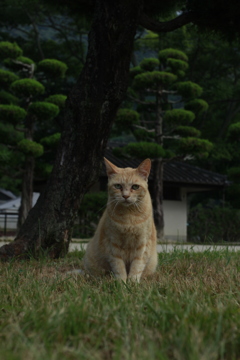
<point>134,278</point>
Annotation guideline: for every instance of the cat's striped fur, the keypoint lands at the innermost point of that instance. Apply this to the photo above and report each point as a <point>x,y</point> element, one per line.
<point>125,240</point>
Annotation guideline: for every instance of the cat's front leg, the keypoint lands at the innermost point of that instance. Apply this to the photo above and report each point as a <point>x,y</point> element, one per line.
<point>118,268</point>
<point>136,269</point>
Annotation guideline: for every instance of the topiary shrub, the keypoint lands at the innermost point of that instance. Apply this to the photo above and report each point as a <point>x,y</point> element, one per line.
<point>7,98</point>
<point>92,207</point>
<point>189,89</point>
<point>53,68</point>
<point>172,53</point>
<point>18,62</point>
<point>9,50</point>
<point>177,65</point>
<point>136,70</point>
<point>144,150</point>
<point>233,132</point>
<point>213,224</point>
<point>197,106</point>
<point>57,99</point>
<point>12,114</point>
<point>179,116</point>
<point>198,147</point>
<point>153,80</point>
<point>51,141</point>
<point>43,110</point>
<point>126,117</point>
<point>234,173</point>
<point>8,135</point>
<point>27,87</point>
<point>187,131</point>
<point>30,148</point>
<point>7,78</point>
<point>149,64</point>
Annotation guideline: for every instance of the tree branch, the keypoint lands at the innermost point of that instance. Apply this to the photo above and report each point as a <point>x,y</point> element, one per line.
<point>166,26</point>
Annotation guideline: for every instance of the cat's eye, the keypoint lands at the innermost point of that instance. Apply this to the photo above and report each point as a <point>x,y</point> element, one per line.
<point>135,187</point>
<point>118,186</point>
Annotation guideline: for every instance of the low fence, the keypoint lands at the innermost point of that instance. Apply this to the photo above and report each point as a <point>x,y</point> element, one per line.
<point>8,223</point>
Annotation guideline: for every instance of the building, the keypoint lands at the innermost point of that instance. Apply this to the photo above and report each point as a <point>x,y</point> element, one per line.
<point>180,179</point>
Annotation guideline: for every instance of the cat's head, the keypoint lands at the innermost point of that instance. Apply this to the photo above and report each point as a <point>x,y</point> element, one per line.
<point>128,186</point>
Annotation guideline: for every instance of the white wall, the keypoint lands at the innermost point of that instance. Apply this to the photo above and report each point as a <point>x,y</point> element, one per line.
<point>175,218</point>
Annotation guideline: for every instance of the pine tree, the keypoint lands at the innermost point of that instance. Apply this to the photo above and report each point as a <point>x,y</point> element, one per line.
<point>166,108</point>
<point>24,108</point>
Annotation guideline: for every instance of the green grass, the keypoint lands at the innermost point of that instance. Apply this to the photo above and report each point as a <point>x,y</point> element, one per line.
<point>189,310</point>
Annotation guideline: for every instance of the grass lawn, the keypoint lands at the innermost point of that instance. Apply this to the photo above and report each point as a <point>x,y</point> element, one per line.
<point>189,310</point>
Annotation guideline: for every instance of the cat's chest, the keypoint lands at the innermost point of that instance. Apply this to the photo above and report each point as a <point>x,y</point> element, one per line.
<point>127,233</point>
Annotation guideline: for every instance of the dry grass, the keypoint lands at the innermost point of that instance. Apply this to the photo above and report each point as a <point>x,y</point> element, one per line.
<point>188,310</point>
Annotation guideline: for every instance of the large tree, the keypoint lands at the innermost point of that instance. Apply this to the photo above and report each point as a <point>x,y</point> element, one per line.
<point>90,110</point>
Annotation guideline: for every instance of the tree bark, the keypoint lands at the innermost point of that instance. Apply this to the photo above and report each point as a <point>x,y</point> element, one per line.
<point>27,190</point>
<point>157,191</point>
<point>90,110</point>
<point>157,197</point>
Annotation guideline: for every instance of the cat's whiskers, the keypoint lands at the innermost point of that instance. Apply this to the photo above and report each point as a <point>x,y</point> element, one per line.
<point>137,207</point>
<point>117,202</point>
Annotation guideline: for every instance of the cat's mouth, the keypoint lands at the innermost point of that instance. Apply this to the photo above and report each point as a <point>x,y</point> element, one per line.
<point>127,202</point>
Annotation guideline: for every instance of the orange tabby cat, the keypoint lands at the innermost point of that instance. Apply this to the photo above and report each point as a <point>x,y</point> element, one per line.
<point>125,240</point>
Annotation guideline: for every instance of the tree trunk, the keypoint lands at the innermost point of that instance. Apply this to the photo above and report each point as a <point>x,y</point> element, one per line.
<point>157,197</point>
<point>90,110</point>
<point>157,193</point>
<point>27,190</point>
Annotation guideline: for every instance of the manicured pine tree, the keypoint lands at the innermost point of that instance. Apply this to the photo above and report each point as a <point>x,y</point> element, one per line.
<point>24,107</point>
<point>166,108</point>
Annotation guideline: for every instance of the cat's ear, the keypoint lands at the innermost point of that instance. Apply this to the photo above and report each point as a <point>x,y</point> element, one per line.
<point>144,169</point>
<point>110,168</point>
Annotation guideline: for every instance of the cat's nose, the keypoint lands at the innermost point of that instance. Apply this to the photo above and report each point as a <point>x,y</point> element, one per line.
<point>125,196</point>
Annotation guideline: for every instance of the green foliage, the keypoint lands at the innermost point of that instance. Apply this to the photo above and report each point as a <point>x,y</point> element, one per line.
<point>57,99</point>
<point>165,54</point>
<point>92,207</point>
<point>188,131</point>
<point>143,135</point>
<point>53,68</point>
<point>189,89</point>
<point>213,224</point>
<point>7,98</point>
<point>234,173</point>
<point>17,63</point>
<point>234,131</point>
<point>30,148</point>
<point>27,87</point>
<point>197,106</point>
<point>7,78</point>
<point>177,65</point>
<point>51,141</point>
<point>8,135</point>
<point>12,114</point>
<point>153,80</point>
<point>195,146</point>
<point>135,71</point>
<point>9,50</point>
<point>179,116</point>
<point>149,64</point>
<point>142,150</point>
<point>126,118</point>
<point>5,155</point>
<point>43,110</point>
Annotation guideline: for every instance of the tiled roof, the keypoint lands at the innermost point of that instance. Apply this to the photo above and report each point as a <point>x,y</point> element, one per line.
<point>176,172</point>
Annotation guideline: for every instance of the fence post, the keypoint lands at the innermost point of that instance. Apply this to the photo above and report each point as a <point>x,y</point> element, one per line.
<point>5,224</point>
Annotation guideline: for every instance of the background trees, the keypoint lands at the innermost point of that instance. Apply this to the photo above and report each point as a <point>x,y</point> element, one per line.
<point>166,107</point>
<point>27,111</point>
<point>93,102</point>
